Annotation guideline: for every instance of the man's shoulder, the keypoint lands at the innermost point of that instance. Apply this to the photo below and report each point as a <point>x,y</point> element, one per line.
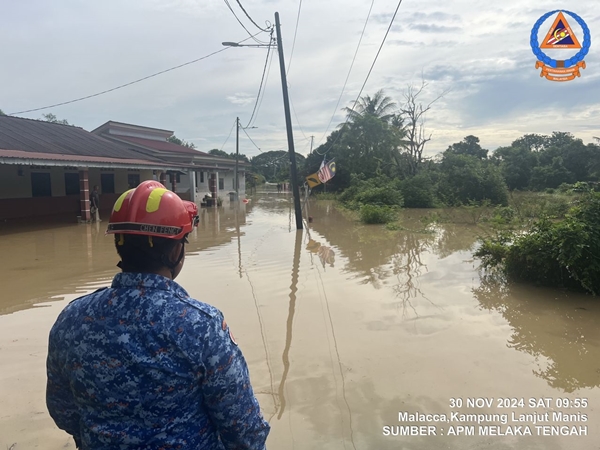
<point>201,307</point>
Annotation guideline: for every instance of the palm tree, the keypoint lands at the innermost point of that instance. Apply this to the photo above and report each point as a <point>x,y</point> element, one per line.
<point>379,106</point>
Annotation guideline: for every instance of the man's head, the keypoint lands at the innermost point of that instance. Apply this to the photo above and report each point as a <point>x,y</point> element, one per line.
<point>96,187</point>
<point>149,254</point>
<point>151,224</point>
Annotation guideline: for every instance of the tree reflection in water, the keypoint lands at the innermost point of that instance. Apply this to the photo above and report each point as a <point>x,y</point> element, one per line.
<point>375,255</point>
<point>559,329</point>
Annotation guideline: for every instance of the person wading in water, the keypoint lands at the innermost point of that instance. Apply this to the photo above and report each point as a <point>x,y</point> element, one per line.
<point>140,364</point>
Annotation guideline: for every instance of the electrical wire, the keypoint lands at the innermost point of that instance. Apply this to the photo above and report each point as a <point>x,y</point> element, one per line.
<point>251,140</point>
<point>294,41</point>
<point>230,131</point>
<point>250,18</point>
<point>261,81</point>
<point>296,115</point>
<point>348,75</point>
<point>263,95</point>
<point>126,84</point>
<point>366,79</point>
<point>240,22</point>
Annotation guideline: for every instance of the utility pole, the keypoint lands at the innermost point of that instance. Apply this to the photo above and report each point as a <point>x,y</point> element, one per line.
<point>288,124</point>
<point>312,138</point>
<point>237,152</point>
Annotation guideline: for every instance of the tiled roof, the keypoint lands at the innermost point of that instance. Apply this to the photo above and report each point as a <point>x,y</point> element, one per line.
<point>38,136</point>
<point>163,146</point>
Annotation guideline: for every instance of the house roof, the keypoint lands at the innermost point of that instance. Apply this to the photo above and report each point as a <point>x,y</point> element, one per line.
<point>110,123</point>
<point>163,146</point>
<point>36,136</point>
<point>19,156</point>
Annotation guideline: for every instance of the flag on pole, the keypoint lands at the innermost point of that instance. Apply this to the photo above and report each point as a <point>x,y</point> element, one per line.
<point>327,171</point>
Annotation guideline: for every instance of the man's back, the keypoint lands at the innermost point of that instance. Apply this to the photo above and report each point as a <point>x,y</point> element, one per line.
<point>141,364</point>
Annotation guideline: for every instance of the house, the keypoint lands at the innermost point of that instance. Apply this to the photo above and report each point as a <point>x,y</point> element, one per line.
<point>204,174</point>
<point>49,168</point>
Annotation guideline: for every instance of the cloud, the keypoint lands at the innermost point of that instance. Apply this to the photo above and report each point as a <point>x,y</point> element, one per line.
<point>432,28</point>
<point>241,99</point>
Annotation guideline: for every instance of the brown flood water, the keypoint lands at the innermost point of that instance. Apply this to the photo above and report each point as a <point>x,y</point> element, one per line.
<point>344,327</point>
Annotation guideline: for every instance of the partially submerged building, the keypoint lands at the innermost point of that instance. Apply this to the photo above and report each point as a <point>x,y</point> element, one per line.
<point>49,168</point>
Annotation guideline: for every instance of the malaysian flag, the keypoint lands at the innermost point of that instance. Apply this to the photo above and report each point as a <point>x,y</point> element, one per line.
<point>327,171</point>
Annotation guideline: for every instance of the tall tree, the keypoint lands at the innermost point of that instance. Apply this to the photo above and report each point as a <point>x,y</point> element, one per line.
<point>379,106</point>
<point>53,119</point>
<point>175,140</point>
<point>413,114</point>
<point>468,146</point>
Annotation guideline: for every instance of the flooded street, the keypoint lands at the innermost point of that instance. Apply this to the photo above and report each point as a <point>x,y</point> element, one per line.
<point>344,326</point>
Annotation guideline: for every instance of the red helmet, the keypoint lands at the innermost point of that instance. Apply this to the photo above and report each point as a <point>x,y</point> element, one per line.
<point>152,210</point>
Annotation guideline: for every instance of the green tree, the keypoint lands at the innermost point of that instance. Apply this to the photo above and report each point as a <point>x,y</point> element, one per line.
<point>175,140</point>
<point>468,146</point>
<point>467,179</point>
<point>53,119</point>
<point>274,165</point>
<point>516,164</point>
<point>2,113</point>
<point>222,154</point>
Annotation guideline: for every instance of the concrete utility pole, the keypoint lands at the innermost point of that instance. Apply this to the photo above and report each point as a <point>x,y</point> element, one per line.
<point>312,138</point>
<point>288,124</point>
<point>237,153</point>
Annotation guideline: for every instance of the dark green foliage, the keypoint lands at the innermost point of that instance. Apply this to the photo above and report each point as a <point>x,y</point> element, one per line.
<point>467,179</point>
<point>376,214</point>
<point>469,146</point>
<point>418,192</point>
<point>175,140</point>
<point>222,154</point>
<point>565,253</point>
<point>381,191</point>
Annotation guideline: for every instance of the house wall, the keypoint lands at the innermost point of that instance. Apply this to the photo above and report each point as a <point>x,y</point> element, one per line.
<point>16,199</point>
<point>12,185</point>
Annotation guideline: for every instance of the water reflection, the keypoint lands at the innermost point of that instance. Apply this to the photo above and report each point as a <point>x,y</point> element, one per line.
<point>559,329</point>
<point>42,262</point>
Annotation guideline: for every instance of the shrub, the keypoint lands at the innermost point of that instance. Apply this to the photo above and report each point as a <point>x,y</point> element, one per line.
<point>418,192</point>
<point>377,214</point>
<point>563,253</point>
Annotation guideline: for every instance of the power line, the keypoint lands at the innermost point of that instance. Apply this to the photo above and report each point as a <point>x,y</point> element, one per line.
<point>349,71</point>
<point>250,18</point>
<point>261,81</point>
<point>240,22</point>
<point>230,131</point>
<point>251,139</point>
<point>366,79</point>
<point>266,80</point>
<point>126,84</point>
<point>294,41</point>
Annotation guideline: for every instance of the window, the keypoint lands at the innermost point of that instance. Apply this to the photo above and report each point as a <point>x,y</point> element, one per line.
<point>71,183</point>
<point>107,183</point>
<point>201,177</point>
<point>221,184</point>
<point>133,179</point>
<point>41,186</point>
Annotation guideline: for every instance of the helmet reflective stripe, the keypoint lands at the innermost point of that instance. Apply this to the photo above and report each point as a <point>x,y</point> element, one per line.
<point>121,199</point>
<point>153,202</point>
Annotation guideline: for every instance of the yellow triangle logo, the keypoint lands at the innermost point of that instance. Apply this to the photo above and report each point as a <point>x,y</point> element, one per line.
<point>560,35</point>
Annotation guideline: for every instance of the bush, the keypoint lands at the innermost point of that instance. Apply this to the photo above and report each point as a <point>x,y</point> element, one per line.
<point>418,192</point>
<point>377,214</point>
<point>563,253</point>
<point>380,191</point>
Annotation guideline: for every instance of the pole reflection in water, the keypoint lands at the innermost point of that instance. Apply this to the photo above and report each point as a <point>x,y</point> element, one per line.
<point>290,320</point>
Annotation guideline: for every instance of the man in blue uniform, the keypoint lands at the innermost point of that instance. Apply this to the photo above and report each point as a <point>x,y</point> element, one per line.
<point>141,365</point>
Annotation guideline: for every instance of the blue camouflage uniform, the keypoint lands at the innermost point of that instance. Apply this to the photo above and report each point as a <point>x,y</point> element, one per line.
<point>141,365</point>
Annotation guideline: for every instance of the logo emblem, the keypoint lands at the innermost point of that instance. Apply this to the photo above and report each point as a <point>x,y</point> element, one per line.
<point>560,36</point>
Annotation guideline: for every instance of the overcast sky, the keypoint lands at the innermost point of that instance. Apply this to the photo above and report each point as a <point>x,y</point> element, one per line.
<point>55,51</point>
